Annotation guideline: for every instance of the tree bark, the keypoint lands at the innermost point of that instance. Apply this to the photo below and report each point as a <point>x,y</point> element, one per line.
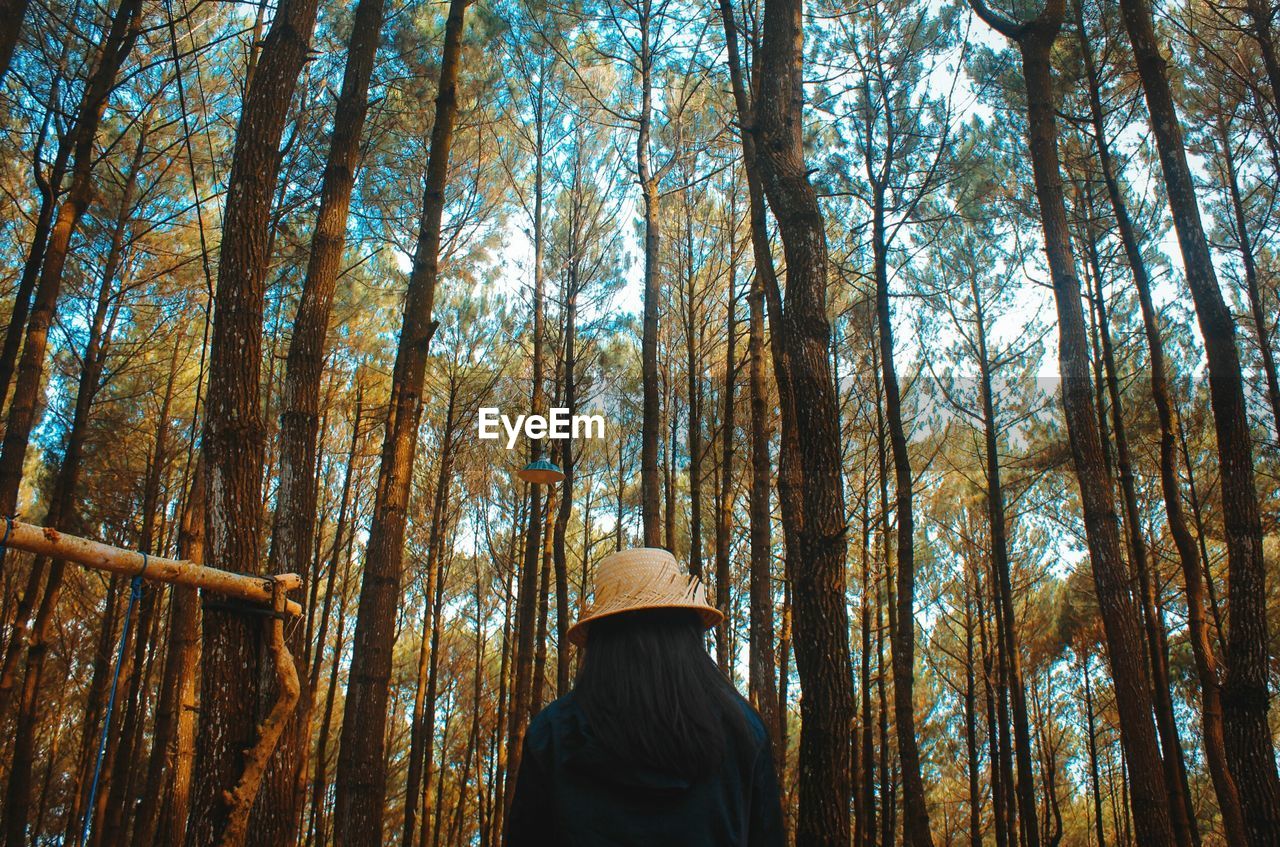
<point>116,46</point>
<point>361,775</point>
<point>1119,616</point>
<point>233,647</point>
<point>1253,290</point>
<point>817,571</point>
<point>1245,694</point>
<point>1181,811</point>
<point>277,813</point>
<point>650,423</point>
<point>1184,542</point>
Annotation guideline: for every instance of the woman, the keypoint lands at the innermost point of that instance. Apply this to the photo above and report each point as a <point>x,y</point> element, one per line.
<point>653,746</point>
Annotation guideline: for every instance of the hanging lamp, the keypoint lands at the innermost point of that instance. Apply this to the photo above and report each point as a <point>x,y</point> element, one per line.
<point>541,472</point>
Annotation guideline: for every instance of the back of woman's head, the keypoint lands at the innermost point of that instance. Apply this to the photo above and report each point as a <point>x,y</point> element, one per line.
<point>653,697</point>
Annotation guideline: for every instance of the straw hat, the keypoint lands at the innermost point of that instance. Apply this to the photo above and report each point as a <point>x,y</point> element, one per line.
<point>643,578</point>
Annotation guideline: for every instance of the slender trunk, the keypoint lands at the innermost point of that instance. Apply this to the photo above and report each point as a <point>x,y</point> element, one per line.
<point>527,600</point>
<point>866,823</point>
<point>1092,744</point>
<point>417,738</point>
<point>1003,583</point>
<point>319,784</point>
<point>762,673</point>
<point>1245,694</point>
<point>565,511</point>
<point>971,723</point>
<point>277,813</point>
<point>915,814</point>
<point>724,512</point>
<point>1262,16</point>
<point>693,429</point>
<point>650,424</point>
<point>233,443</point>
<point>1119,616</point>
<point>361,774</point>
<point>817,573</point>
<point>1181,811</point>
<point>63,513</point>
<point>49,188</point>
<point>1201,643</point>
<point>116,46</point>
<point>999,811</point>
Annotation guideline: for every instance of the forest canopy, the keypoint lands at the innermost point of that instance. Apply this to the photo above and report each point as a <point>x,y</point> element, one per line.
<point>937,338</point>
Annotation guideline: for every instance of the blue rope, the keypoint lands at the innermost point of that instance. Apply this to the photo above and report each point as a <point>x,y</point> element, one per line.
<point>135,594</point>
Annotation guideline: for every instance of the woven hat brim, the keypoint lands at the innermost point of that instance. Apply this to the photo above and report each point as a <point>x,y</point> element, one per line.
<point>577,635</point>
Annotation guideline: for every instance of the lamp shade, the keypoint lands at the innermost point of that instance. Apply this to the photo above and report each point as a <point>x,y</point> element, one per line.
<point>541,472</point>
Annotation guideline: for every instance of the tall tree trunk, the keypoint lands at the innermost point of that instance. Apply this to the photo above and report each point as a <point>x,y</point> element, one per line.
<point>724,511</point>
<point>565,511</point>
<point>361,779</point>
<point>277,813</point>
<point>971,722</point>
<point>1092,745</point>
<point>1245,695</point>
<point>527,600</point>
<point>49,188</point>
<point>63,513</point>
<point>423,721</point>
<point>1119,616</point>
<point>1262,16</point>
<point>915,814</point>
<point>694,391</point>
<point>12,12</point>
<point>1181,811</point>
<point>817,572</point>
<point>764,286</point>
<point>762,673</point>
<point>650,423</point>
<point>119,40</point>
<point>1002,582</point>
<point>233,441</point>
<point>1201,643</point>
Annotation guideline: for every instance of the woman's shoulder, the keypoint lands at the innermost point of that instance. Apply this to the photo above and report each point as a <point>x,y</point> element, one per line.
<point>553,716</point>
<point>756,730</point>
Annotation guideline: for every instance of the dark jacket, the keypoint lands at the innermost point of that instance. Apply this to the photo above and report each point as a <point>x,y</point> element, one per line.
<point>569,794</point>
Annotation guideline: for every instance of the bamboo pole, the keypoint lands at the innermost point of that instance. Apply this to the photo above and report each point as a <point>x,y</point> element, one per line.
<point>47,541</point>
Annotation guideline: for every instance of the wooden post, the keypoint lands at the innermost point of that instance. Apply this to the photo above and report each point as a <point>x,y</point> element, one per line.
<point>47,541</point>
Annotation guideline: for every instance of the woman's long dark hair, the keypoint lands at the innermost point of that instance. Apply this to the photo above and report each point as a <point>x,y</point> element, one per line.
<point>653,697</point>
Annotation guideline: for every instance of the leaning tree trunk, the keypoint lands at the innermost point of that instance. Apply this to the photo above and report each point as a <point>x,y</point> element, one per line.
<point>817,570</point>
<point>1261,14</point>
<point>361,779</point>
<point>62,513</point>
<point>650,423</point>
<point>1201,643</point>
<point>12,12</point>
<point>1129,670</point>
<point>915,815</point>
<point>277,814</point>
<point>1245,694</point>
<point>233,442</point>
<point>762,672</point>
<point>1003,583</point>
<point>123,32</point>
<point>1181,810</point>
<point>527,599</point>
